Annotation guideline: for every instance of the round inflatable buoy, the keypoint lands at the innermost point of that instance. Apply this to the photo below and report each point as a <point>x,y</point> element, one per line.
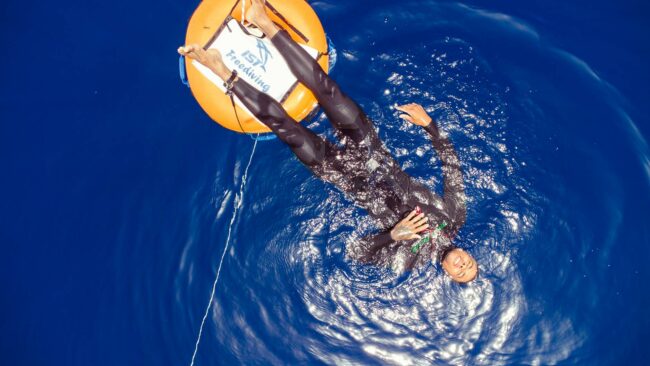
<point>214,16</point>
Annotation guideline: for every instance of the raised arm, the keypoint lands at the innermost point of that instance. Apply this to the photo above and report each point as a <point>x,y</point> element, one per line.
<point>454,187</point>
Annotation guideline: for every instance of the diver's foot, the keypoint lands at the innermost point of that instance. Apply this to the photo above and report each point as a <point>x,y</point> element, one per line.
<point>210,58</point>
<point>257,15</point>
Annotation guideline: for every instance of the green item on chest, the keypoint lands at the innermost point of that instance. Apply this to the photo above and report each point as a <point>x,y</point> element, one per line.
<point>428,237</point>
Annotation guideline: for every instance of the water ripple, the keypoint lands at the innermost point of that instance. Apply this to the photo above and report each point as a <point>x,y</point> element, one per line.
<point>290,294</point>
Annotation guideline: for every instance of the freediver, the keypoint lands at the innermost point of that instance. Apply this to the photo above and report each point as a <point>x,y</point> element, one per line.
<point>363,168</point>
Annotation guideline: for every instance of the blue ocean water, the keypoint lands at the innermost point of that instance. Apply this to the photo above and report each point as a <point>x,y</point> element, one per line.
<point>118,192</point>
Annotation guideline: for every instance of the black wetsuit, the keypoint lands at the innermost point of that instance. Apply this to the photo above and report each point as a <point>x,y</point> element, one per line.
<point>363,168</point>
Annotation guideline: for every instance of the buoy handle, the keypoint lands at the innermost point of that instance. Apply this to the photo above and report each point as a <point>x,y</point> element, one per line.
<point>181,71</point>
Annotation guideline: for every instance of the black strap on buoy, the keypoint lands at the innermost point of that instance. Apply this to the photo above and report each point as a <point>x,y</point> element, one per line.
<point>277,13</point>
<point>228,86</point>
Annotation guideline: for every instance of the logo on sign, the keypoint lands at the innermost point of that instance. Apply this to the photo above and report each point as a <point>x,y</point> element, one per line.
<point>249,60</point>
<point>262,57</point>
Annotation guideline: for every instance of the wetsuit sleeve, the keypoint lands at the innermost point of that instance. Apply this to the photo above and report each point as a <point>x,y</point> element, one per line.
<point>454,187</point>
<point>369,249</point>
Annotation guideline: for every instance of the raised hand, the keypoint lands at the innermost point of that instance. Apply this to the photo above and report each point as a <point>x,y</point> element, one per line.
<point>415,114</point>
<point>409,228</point>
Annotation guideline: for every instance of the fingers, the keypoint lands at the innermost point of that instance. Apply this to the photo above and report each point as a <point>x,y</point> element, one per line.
<point>421,228</point>
<point>414,113</point>
<point>419,220</point>
<point>418,217</point>
<point>406,117</point>
<point>408,108</point>
<point>414,219</point>
<point>411,215</point>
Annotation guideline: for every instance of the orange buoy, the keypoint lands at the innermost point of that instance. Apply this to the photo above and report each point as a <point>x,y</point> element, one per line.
<point>211,17</point>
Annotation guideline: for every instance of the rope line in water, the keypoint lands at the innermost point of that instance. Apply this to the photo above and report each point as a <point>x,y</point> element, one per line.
<point>238,202</point>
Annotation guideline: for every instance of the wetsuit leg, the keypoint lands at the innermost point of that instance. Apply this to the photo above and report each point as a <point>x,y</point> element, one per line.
<point>307,146</point>
<point>344,114</point>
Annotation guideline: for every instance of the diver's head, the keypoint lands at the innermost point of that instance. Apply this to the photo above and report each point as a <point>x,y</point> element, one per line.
<point>459,265</point>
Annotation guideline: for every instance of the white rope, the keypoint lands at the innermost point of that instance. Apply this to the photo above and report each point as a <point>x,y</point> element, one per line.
<point>238,202</point>
<point>243,11</point>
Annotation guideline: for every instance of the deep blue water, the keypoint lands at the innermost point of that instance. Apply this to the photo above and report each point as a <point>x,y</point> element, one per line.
<point>117,192</point>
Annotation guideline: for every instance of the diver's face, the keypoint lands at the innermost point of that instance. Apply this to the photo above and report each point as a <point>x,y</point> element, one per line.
<point>460,266</point>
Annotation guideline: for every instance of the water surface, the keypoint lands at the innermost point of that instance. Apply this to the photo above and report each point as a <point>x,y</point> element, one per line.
<point>120,201</point>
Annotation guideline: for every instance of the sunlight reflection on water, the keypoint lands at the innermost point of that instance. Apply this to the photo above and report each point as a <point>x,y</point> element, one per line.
<point>418,318</point>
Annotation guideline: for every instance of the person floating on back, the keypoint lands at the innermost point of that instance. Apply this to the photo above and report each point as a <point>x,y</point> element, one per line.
<point>417,224</point>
